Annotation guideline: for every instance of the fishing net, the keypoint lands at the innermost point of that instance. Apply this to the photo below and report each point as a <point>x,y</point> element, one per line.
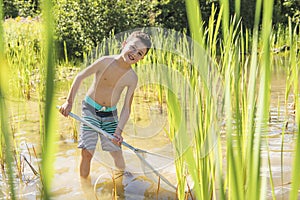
<point>154,170</point>
<point>155,167</point>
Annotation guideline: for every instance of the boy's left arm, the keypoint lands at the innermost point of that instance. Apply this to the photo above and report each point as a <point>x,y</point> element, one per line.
<point>125,113</point>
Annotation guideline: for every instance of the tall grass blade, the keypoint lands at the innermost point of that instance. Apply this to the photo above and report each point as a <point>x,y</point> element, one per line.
<point>296,163</point>
<point>255,188</point>
<point>237,8</point>
<point>48,150</point>
<point>195,20</point>
<point>251,97</point>
<point>294,60</point>
<point>232,182</point>
<point>225,20</point>
<point>4,132</point>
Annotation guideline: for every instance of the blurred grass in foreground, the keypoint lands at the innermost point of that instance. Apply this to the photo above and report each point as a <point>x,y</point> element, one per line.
<point>200,92</point>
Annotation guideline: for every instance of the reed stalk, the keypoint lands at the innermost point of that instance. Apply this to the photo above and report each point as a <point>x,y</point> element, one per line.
<point>256,190</point>
<point>244,141</point>
<point>195,21</point>
<point>186,80</point>
<point>294,61</point>
<point>22,37</point>
<point>48,140</point>
<point>5,135</point>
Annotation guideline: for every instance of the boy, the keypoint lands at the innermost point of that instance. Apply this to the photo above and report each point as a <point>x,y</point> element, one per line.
<point>112,75</point>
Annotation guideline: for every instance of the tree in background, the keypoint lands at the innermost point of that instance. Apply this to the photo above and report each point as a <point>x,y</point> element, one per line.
<point>22,8</point>
<point>9,9</point>
<point>81,25</point>
<point>284,9</point>
<point>170,14</point>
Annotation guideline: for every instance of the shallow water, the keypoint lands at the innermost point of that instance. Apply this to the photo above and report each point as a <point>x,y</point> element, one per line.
<point>145,130</point>
<point>281,148</point>
<point>66,181</point>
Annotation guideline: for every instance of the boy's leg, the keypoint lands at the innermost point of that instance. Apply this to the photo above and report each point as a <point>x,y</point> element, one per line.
<point>118,159</point>
<point>85,163</point>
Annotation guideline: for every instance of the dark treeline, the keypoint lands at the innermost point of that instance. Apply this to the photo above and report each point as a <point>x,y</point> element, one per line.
<point>82,24</point>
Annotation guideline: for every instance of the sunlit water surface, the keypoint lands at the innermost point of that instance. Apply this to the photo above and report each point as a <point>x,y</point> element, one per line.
<point>146,130</point>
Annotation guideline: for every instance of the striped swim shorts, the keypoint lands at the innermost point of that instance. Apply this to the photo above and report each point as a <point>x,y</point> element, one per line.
<point>106,120</point>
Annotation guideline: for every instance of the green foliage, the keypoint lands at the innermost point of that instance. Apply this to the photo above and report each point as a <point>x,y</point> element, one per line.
<point>23,8</point>
<point>283,9</point>
<point>9,9</point>
<point>23,52</point>
<point>170,14</point>
<point>83,25</point>
<point>27,7</point>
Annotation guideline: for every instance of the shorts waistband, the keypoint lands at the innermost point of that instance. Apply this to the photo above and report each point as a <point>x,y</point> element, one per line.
<point>97,106</point>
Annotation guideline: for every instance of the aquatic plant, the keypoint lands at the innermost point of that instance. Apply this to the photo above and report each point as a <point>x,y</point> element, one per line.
<point>50,112</point>
<point>217,96</point>
<point>6,155</point>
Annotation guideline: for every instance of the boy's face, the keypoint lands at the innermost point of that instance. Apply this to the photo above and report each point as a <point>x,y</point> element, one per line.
<point>133,51</point>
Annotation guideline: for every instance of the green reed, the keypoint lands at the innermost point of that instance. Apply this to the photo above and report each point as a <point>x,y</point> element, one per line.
<point>31,74</point>
<point>22,42</point>
<point>48,140</point>
<point>5,135</point>
<point>295,61</point>
<point>200,93</point>
<point>27,75</point>
<point>193,108</point>
<point>244,134</point>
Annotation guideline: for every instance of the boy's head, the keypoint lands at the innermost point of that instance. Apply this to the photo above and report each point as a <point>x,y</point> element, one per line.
<point>143,37</point>
<point>135,47</point>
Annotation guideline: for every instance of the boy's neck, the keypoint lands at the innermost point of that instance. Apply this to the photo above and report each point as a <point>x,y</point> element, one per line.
<point>122,63</point>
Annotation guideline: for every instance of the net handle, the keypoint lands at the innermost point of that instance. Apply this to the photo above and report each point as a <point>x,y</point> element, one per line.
<point>135,150</point>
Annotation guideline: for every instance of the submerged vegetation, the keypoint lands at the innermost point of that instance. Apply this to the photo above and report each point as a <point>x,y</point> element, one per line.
<point>216,92</point>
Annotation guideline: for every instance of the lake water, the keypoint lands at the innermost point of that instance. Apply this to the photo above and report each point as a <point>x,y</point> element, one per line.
<point>146,130</point>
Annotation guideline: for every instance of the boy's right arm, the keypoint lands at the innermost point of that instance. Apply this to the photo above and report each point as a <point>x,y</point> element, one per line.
<point>66,108</point>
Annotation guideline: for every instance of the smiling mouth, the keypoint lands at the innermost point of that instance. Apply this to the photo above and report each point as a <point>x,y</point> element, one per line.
<point>130,57</point>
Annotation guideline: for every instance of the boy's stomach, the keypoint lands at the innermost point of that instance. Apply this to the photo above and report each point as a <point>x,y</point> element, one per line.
<point>106,98</point>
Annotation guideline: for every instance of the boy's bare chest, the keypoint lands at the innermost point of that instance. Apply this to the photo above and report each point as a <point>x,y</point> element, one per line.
<point>112,77</point>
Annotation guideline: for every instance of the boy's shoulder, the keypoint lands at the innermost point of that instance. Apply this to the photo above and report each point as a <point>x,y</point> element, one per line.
<point>132,77</point>
<point>104,61</point>
<point>133,74</point>
<point>106,58</point>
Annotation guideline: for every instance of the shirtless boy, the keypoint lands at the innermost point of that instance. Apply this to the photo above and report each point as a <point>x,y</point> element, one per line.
<point>112,74</point>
